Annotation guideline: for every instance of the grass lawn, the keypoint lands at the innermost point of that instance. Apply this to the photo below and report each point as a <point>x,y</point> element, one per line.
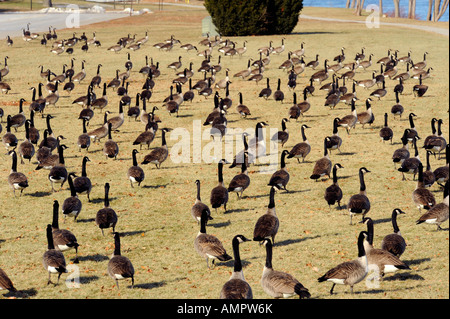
<point>154,219</point>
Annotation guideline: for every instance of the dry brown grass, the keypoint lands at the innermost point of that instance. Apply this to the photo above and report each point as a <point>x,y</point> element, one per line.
<point>155,221</point>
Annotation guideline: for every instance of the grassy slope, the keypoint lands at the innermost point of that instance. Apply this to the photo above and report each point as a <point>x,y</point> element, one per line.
<point>155,219</point>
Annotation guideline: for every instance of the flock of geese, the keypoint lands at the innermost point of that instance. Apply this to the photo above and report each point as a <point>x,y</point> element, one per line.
<point>330,81</point>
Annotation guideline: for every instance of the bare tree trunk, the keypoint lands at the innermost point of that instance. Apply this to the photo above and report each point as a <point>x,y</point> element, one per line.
<point>412,9</point>
<point>380,5</point>
<point>47,3</point>
<point>359,7</point>
<point>353,4</point>
<point>396,8</point>
<point>439,9</point>
<point>347,5</point>
<point>430,10</point>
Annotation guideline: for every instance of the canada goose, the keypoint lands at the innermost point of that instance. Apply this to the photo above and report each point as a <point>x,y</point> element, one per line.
<point>365,64</point>
<point>106,217</point>
<point>120,267</point>
<point>280,178</point>
<point>386,132</point>
<point>438,142</point>
<point>332,99</point>
<point>101,102</point>
<point>397,109</point>
<point>433,132</point>
<point>69,86</point>
<point>175,65</point>
<point>63,239</point>
<point>410,165</point>
<point>349,121</point>
<point>367,84</point>
<point>26,148</point>
<point>62,77</point>
<point>421,73</point>
<point>323,165</point>
<point>114,83</point>
<point>401,154</point>
<point>99,133</point>
<point>9,41</point>
<point>83,100</point>
<point>335,140</point>
<point>84,140</point>
<point>437,214</point>
<point>53,97</point>
<point>83,184</point>
<point>267,224</point>
<point>283,135</point>
<point>51,141</point>
<point>158,155</point>
<point>239,183</point>
<point>441,173</point>
<point>267,91</point>
<point>222,84</point>
<point>36,105</point>
<point>294,111</point>
<point>428,175</point>
<point>278,95</point>
<point>209,246</point>
<point>280,284</point>
<point>97,79</point>
<point>239,158</point>
<point>199,206</point>
<point>360,56</point>
<point>328,86</point>
<point>420,89</point>
<point>403,76</point>
<point>46,159</point>
<point>135,173</point>
<point>413,131</point>
<point>172,106</point>
<point>110,148</point>
<point>257,145</point>
<point>258,76</point>
<point>219,194</point>
<point>17,180</point>
<point>305,105</point>
<point>9,139</point>
<point>385,59</point>
<point>236,287</point>
<point>349,272</point>
<point>333,193</point>
<point>288,64</point>
<point>58,173</point>
<point>394,243</point>
<point>422,197</point>
<point>117,121</point>
<point>72,205</point>
<point>80,75</point>
<point>53,260</point>
<point>313,64</point>
<point>5,281</point>
<point>379,93</point>
<point>302,149</point>
<point>405,59</point>
<point>359,203</point>
<point>189,95</point>
<point>32,130</point>
<point>244,73</point>
<point>19,119</point>
<point>226,102</point>
<point>380,259</point>
<point>321,75</point>
<point>146,137</point>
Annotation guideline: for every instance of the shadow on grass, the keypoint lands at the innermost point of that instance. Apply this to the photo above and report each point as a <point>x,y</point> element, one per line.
<point>293,241</point>
<point>237,210</point>
<point>132,233</point>
<point>101,200</point>
<point>96,258</point>
<point>38,194</point>
<point>88,279</point>
<point>403,276</point>
<point>155,186</point>
<point>21,293</point>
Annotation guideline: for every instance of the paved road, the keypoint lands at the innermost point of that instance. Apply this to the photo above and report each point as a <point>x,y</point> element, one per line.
<point>12,23</point>
<point>441,31</point>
